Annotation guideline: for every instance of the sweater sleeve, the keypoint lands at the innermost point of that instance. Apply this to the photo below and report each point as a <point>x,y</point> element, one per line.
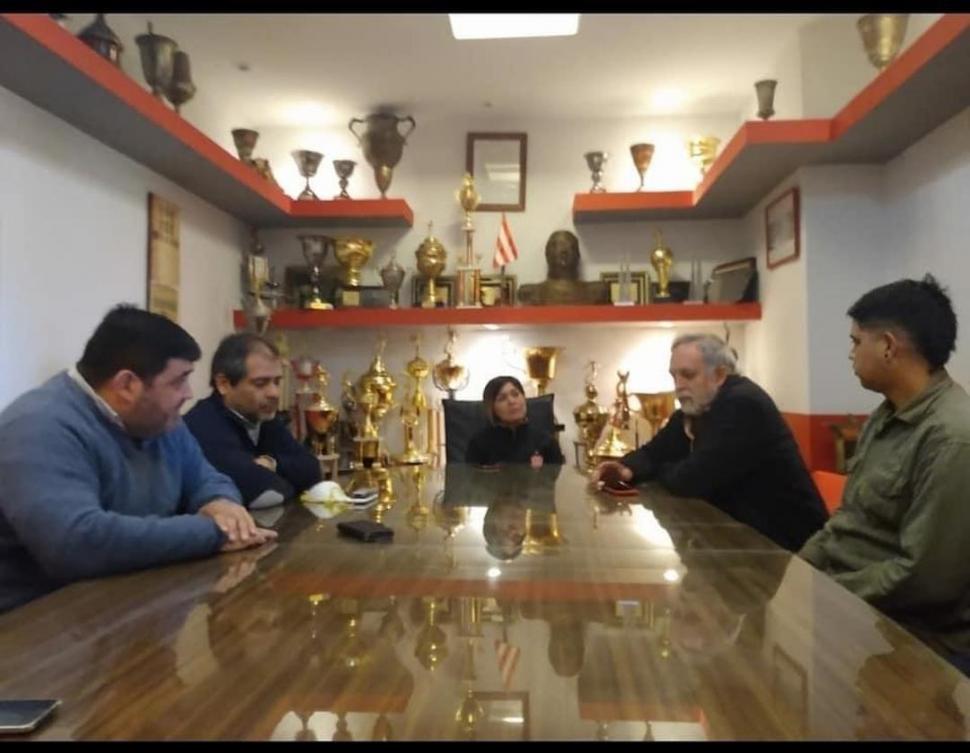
<point>668,445</point>
<point>201,482</point>
<point>294,462</point>
<point>50,494</point>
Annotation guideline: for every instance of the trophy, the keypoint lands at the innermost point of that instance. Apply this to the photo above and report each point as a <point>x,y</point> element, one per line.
<point>469,276</point>
<point>304,369</point>
<point>245,141</point>
<point>614,446</point>
<point>656,408</point>
<point>595,162</point>
<point>414,406</point>
<point>181,89</point>
<point>257,277</point>
<point>353,254</point>
<point>101,38</point>
<point>307,162</point>
<point>157,53</point>
<point>661,259</point>
<point>590,417</point>
<point>382,144</point>
<point>344,169</point>
<point>315,248</point>
<point>541,365</point>
<point>448,375</point>
<point>431,256</point>
<point>374,391</point>
<point>703,150</point>
<point>642,154</point>
<point>392,275</point>
<point>320,417</point>
<point>765,90</point>
<point>882,36</point>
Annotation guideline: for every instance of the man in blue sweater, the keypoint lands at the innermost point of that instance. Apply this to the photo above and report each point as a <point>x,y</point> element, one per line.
<point>98,473</point>
<point>238,429</point>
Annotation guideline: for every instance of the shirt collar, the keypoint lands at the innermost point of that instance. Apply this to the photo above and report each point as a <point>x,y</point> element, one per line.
<point>106,410</point>
<point>918,407</point>
<point>252,427</point>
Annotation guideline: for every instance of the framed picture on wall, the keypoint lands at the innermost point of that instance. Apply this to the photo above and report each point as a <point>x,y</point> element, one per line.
<point>638,286</point>
<point>782,229</point>
<point>163,258</point>
<point>497,162</point>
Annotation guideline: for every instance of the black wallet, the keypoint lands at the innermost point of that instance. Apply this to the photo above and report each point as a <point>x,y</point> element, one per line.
<point>365,530</point>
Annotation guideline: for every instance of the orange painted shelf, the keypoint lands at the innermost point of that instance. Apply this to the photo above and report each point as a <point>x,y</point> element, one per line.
<point>924,87</point>
<point>54,70</point>
<point>509,315</point>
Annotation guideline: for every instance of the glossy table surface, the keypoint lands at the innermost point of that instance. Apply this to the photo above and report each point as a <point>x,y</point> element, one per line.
<point>652,617</point>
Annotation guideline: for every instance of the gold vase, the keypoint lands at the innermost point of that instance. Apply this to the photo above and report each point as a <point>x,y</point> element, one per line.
<point>353,254</point>
<point>541,365</point>
<point>882,36</point>
<point>703,150</point>
<point>656,408</point>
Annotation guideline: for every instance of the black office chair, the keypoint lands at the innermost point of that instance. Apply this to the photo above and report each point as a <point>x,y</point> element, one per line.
<point>465,418</point>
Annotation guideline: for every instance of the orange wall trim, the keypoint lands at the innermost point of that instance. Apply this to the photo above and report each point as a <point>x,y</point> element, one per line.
<point>815,439</point>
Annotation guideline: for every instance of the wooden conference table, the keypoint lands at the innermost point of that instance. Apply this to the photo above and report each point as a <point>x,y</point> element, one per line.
<point>657,618</point>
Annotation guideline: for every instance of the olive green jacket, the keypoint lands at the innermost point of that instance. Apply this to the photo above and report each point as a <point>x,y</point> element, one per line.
<point>901,539</point>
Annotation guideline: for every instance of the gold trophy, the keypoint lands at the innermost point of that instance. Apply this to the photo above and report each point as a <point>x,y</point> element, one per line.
<point>541,365</point>
<point>661,259</point>
<point>320,418</point>
<point>590,417</point>
<point>448,375</point>
<point>656,408</point>
<point>431,256</point>
<point>414,407</point>
<point>642,154</point>
<point>374,393</point>
<point>615,445</point>
<point>882,36</point>
<point>469,275</point>
<point>304,369</point>
<point>353,254</point>
<point>703,150</point>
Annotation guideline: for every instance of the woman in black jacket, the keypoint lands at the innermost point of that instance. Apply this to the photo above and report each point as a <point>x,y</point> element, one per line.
<point>509,437</point>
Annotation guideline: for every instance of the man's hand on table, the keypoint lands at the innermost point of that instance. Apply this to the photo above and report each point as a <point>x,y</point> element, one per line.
<point>266,461</point>
<point>237,524</point>
<point>609,472</point>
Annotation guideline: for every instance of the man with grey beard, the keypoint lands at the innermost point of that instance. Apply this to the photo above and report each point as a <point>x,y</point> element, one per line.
<point>728,445</point>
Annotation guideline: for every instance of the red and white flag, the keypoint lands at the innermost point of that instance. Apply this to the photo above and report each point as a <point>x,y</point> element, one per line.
<point>505,250</point>
<point>508,660</point>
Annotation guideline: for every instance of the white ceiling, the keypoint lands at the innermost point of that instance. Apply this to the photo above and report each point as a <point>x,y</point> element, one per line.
<point>322,69</point>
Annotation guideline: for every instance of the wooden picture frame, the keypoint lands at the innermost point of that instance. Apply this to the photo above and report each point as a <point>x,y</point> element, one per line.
<point>638,284</point>
<point>504,287</point>
<point>444,289</point>
<point>502,712</point>
<point>163,273</point>
<point>497,162</point>
<point>782,229</point>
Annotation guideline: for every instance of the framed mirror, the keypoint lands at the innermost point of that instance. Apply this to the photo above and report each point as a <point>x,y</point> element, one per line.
<point>497,162</point>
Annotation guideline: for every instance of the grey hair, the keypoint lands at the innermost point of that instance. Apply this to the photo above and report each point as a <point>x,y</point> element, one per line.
<point>714,351</point>
<point>230,357</point>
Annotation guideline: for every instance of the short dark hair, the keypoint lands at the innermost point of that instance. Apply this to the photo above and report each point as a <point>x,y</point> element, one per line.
<point>230,357</point>
<point>134,339</point>
<point>920,308</point>
<point>492,389</point>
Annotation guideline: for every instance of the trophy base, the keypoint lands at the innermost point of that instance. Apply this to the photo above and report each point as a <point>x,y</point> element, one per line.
<point>319,305</point>
<point>411,458</point>
<point>468,293</point>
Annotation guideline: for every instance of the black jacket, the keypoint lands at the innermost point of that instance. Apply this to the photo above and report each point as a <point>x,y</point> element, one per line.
<point>227,445</point>
<point>744,460</point>
<point>499,444</point>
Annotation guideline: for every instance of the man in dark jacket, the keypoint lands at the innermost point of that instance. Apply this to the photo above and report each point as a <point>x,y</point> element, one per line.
<point>729,445</point>
<point>239,431</point>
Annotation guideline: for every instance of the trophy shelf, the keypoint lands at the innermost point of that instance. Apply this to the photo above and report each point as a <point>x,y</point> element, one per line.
<point>54,70</point>
<point>509,315</point>
<point>922,88</point>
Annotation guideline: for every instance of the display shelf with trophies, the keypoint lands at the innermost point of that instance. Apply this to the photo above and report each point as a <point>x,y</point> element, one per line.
<point>508,315</point>
<point>900,105</point>
<point>50,67</point>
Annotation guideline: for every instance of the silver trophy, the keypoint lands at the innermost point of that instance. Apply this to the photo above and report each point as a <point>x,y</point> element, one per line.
<point>344,169</point>
<point>307,162</point>
<point>315,248</point>
<point>595,162</point>
<point>392,275</point>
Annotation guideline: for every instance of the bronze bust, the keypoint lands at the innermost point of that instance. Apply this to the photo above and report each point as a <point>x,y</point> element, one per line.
<point>562,285</point>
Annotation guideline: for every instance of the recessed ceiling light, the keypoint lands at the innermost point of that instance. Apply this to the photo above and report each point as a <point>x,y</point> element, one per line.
<point>512,25</point>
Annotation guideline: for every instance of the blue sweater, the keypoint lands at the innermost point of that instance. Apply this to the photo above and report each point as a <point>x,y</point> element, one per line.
<point>80,498</point>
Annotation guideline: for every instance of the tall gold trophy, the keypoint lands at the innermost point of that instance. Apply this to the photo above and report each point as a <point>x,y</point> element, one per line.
<point>590,417</point>
<point>374,393</point>
<point>414,407</point>
<point>615,444</point>
<point>320,419</point>
<point>431,257</point>
<point>662,259</point>
<point>468,294</point>
<point>541,364</point>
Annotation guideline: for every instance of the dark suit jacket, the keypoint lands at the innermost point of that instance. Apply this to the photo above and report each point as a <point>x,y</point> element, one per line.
<point>227,446</point>
<point>744,460</point>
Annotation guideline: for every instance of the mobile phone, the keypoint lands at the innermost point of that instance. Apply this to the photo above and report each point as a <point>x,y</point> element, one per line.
<point>620,489</point>
<point>363,493</point>
<point>365,530</point>
<point>17,717</point>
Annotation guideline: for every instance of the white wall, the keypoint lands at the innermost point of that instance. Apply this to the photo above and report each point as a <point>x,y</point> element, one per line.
<point>73,242</point>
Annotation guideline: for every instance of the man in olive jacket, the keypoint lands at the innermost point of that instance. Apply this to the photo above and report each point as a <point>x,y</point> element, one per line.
<point>901,538</point>
<point>728,445</point>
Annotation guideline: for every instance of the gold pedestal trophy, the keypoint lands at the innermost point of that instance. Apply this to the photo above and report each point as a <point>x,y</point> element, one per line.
<point>320,419</point>
<point>374,393</point>
<point>655,408</point>
<point>352,254</point>
<point>590,417</point>
<point>431,257</point>
<point>414,407</point>
<point>469,275</point>
<point>615,443</point>
<point>540,362</point>
<point>661,259</point>
<point>304,369</point>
